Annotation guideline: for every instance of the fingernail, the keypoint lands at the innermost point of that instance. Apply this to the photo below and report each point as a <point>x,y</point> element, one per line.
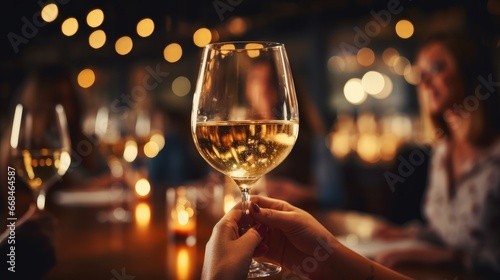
<point>256,207</point>
<point>262,230</point>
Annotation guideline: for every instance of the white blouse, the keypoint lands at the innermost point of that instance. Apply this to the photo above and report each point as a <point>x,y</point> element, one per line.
<point>469,218</point>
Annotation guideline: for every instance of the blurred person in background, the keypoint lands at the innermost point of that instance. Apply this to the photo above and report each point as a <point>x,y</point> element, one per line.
<point>35,229</point>
<point>460,94</point>
<point>310,175</point>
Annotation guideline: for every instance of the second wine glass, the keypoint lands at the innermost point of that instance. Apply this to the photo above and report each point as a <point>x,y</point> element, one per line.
<point>245,118</point>
<point>40,146</point>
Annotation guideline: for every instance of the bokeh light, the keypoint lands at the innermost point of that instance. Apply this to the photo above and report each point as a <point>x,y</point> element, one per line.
<point>86,78</point>
<point>97,39</point>
<point>142,214</point>
<point>50,12</point>
<point>368,148</point>
<point>253,49</point>
<point>95,18</point>
<point>354,92</point>
<point>124,45</point>
<point>372,82</point>
<point>69,27</point>
<point>142,187</point>
<point>202,37</point>
<point>365,56</point>
<point>172,53</point>
<point>145,27</point>
<point>131,150</point>
<point>389,55</point>
<point>181,86</point>
<point>404,29</point>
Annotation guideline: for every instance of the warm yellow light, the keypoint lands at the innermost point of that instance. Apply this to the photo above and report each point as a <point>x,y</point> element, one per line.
<point>151,149</point>
<point>253,49</point>
<point>124,45</point>
<point>368,148</point>
<point>49,12</point>
<point>70,26</point>
<point>97,39</point>
<point>158,139</point>
<point>145,27</point>
<point>172,53</point>
<point>389,55</point>
<point>365,56</point>
<point>130,152</point>
<point>340,144</point>
<point>183,264</point>
<point>404,29</point>
<point>142,214</point>
<point>389,146</point>
<point>202,37</point>
<point>86,78</point>
<point>354,92</point>
<point>373,82</point>
<point>142,187</point>
<point>237,26</point>
<point>95,18</point>
<point>181,86</point>
<point>386,90</point>
<point>366,123</point>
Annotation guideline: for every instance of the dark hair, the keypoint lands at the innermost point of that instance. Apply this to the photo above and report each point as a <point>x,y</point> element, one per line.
<point>474,60</point>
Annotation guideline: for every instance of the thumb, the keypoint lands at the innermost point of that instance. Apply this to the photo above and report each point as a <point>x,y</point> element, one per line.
<point>252,238</point>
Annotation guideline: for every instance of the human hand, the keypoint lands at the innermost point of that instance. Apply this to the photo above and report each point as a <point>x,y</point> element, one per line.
<point>424,255</point>
<point>294,237</point>
<point>228,255</point>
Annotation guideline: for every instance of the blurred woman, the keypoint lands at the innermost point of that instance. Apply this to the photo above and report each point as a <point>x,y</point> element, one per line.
<point>462,202</point>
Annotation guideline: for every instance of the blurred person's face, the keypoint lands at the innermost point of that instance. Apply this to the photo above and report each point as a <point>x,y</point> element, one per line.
<point>259,91</point>
<point>441,82</point>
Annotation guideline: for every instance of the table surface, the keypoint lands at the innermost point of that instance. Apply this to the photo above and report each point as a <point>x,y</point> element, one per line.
<point>138,248</point>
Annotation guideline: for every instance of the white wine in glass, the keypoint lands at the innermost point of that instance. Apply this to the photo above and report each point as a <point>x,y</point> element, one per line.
<point>245,118</point>
<point>40,146</point>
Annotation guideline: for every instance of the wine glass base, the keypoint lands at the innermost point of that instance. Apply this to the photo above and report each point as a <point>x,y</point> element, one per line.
<point>262,269</point>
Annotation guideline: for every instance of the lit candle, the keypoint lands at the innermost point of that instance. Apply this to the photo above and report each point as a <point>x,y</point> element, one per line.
<point>181,215</point>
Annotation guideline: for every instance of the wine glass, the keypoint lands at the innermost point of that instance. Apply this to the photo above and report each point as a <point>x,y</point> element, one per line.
<point>245,118</point>
<point>40,146</point>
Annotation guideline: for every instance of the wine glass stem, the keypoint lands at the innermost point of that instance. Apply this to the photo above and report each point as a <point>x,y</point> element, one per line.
<point>245,222</point>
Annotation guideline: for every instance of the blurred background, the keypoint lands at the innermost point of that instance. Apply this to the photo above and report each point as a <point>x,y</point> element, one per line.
<point>126,72</point>
<point>352,58</point>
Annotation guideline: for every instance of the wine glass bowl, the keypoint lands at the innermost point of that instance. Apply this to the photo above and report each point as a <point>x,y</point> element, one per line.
<point>245,118</point>
<point>40,146</point>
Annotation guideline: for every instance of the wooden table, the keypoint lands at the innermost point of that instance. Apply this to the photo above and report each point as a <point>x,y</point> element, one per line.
<point>140,249</point>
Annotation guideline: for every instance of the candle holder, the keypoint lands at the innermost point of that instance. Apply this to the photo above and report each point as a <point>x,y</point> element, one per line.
<point>181,215</point>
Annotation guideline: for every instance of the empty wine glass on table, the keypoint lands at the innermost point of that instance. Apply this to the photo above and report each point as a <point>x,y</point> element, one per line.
<point>245,118</point>
<point>40,146</point>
